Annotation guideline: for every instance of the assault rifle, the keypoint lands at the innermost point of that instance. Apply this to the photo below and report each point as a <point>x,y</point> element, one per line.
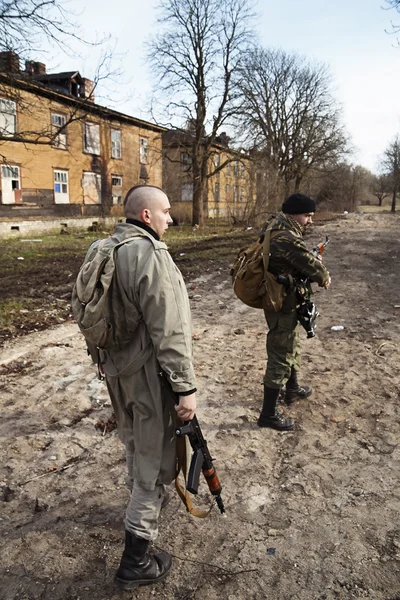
<point>320,248</point>
<point>307,312</point>
<point>201,461</point>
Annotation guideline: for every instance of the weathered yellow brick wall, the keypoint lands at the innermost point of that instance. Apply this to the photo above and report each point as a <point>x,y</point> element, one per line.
<point>38,161</point>
<point>174,176</point>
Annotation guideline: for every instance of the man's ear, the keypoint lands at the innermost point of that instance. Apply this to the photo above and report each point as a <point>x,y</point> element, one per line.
<point>145,216</point>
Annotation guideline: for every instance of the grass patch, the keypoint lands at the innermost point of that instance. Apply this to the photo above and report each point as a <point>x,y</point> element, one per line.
<point>38,277</point>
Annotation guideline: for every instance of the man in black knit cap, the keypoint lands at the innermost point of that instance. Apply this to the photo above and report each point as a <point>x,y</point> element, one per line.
<point>288,256</point>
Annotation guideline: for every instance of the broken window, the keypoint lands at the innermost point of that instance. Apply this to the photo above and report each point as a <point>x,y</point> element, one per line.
<point>91,184</point>
<point>10,184</point>
<point>187,192</point>
<point>143,150</point>
<point>116,148</point>
<point>8,117</point>
<point>116,182</point>
<point>91,138</point>
<point>186,161</point>
<point>58,121</point>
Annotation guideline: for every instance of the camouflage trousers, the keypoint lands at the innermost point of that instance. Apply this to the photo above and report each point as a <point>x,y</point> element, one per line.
<point>283,344</point>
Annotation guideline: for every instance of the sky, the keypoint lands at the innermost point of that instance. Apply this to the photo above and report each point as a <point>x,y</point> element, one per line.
<point>349,36</point>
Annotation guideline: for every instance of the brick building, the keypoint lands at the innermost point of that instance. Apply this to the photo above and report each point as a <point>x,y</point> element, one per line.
<point>63,155</point>
<point>230,191</point>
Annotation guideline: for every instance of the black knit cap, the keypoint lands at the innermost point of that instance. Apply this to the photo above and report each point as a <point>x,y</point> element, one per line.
<point>298,204</point>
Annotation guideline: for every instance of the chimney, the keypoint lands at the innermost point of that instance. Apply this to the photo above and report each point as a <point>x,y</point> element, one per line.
<point>9,62</point>
<point>87,89</point>
<point>34,68</point>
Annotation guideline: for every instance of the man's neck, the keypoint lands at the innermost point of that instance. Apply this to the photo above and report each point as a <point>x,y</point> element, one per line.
<point>144,226</point>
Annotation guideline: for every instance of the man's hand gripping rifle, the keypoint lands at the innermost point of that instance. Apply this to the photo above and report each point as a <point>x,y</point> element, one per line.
<point>307,312</point>
<point>201,461</point>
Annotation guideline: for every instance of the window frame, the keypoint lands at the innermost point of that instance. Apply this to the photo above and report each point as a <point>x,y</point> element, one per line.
<point>57,141</point>
<point>87,149</point>
<point>116,145</point>
<point>143,150</point>
<point>4,113</point>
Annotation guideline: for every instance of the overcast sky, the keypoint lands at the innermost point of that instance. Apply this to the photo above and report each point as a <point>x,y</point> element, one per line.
<point>347,35</point>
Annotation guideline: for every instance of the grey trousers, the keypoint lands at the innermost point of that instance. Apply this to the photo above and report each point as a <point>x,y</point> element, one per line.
<point>144,506</point>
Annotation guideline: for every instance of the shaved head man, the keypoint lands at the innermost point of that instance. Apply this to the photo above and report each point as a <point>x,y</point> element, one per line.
<point>149,204</point>
<point>150,377</point>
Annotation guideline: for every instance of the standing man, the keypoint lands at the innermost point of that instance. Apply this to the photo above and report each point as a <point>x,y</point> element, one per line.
<point>288,256</point>
<point>147,376</point>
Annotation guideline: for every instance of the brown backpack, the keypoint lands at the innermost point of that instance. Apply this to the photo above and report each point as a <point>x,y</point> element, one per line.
<point>253,284</point>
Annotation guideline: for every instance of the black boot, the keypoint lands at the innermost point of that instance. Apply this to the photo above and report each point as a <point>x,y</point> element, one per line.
<point>294,391</point>
<point>269,416</point>
<point>138,567</point>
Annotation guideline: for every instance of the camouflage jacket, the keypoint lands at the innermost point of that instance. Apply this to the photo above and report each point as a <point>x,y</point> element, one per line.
<point>289,254</point>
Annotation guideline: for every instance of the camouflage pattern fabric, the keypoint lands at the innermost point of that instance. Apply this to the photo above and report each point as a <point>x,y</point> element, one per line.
<point>289,256</point>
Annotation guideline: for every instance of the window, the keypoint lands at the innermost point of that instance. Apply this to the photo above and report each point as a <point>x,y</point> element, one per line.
<point>187,192</point>
<point>235,193</point>
<point>217,160</point>
<point>228,189</point>
<point>236,168</point>
<point>91,184</point>
<point>8,117</point>
<point>61,193</point>
<point>116,143</point>
<point>228,169</point>
<point>242,194</point>
<point>57,121</point>
<point>91,138</point>
<point>116,180</point>
<point>241,170</point>
<point>10,184</point>
<point>143,151</point>
<point>186,161</point>
<point>216,192</point>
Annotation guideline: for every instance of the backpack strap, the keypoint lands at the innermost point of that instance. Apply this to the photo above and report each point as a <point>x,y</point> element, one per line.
<point>268,236</point>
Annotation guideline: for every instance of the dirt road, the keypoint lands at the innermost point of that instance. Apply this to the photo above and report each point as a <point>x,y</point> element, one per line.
<point>312,514</point>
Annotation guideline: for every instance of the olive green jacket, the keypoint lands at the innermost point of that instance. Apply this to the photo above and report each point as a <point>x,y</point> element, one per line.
<point>289,254</point>
<point>146,374</point>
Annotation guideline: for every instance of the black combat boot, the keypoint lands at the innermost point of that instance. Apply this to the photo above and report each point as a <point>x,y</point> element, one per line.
<point>294,391</point>
<point>138,567</point>
<point>269,416</point>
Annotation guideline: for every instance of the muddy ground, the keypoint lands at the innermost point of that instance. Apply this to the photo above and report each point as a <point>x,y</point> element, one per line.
<point>311,514</point>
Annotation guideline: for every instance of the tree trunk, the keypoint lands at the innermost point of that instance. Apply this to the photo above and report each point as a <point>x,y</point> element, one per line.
<point>393,209</point>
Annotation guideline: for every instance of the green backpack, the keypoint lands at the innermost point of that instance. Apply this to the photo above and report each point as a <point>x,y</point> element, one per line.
<point>95,301</point>
<point>252,283</point>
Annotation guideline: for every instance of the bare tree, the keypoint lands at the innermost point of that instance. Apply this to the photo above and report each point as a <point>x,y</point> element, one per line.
<point>25,23</point>
<point>391,165</point>
<point>343,186</point>
<point>288,111</point>
<point>193,59</point>
<point>381,187</point>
